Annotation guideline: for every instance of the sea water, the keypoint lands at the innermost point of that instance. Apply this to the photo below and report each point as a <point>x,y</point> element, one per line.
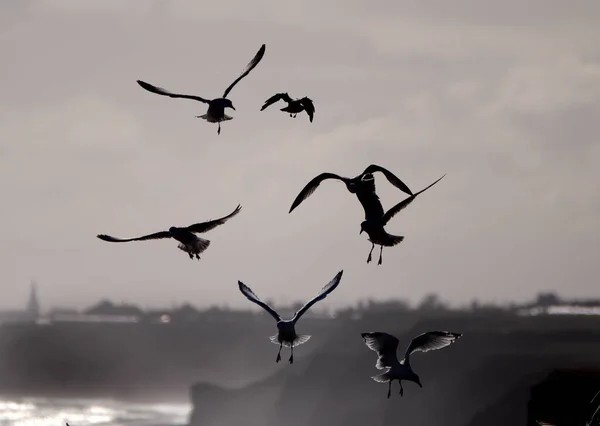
<point>86,412</point>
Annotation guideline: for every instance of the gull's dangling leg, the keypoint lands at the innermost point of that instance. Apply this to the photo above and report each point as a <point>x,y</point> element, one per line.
<point>401,389</point>
<point>389,389</point>
<point>279,353</point>
<point>290,114</point>
<point>380,253</point>
<point>190,255</point>
<point>219,129</point>
<point>292,354</point>
<point>372,247</point>
<point>197,256</point>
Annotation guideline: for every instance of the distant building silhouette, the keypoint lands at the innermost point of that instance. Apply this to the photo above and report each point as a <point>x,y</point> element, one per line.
<point>33,306</point>
<point>31,312</point>
<point>106,307</point>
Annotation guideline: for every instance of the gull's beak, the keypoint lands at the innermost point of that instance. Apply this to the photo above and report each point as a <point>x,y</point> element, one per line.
<point>232,107</point>
<point>361,231</point>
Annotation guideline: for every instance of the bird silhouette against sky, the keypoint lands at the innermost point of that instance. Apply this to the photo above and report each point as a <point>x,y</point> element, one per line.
<point>286,329</point>
<point>216,107</point>
<point>189,242</point>
<point>386,346</point>
<point>362,185</point>
<point>294,106</point>
<point>374,225</point>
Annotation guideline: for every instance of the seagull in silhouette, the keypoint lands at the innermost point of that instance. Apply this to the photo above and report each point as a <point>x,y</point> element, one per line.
<point>362,185</point>
<point>374,225</point>
<point>286,334</point>
<point>216,107</point>
<point>189,242</point>
<point>386,346</point>
<point>294,106</point>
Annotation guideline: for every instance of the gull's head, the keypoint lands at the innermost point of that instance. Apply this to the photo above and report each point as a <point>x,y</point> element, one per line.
<point>228,104</point>
<point>417,380</point>
<point>363,227</point>
<point>352,187</point>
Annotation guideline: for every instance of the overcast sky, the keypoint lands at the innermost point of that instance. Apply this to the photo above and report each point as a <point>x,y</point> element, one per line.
<point>504,97</point>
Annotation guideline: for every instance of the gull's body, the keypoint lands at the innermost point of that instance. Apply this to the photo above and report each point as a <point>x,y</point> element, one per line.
<point>374,225</point>
<point>189,242</point>
<point>294,106</point>
<point>286,329</point>
<point>216,107</point>
<point>362,185</point>
<point>386,345</point>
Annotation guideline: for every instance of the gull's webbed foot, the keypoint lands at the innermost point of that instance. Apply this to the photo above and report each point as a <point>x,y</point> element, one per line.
<point>278,357</point>
<point>291,359</point>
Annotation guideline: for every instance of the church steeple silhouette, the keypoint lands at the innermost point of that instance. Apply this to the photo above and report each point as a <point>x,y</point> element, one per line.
<point>33,306</point>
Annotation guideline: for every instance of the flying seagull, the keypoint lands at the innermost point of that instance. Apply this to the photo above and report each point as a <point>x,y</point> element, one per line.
<point>216,107</point>
<point>286,335</point>
<point>189,243</point>
<point>362,185</point>
<point>294,105</point>
<point>374,225</point>
<point>386,346</point>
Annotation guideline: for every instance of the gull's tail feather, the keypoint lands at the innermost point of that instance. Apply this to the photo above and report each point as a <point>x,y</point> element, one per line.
<point>211,119</point>
<point>300,339</point>
<point>196,247</point>
<point>382,378</point>
<point>391,240</point>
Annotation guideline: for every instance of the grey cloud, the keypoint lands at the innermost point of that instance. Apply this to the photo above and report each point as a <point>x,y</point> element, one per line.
<point>504,102</point>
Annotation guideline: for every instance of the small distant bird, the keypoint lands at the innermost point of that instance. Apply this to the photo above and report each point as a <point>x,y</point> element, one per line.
<point>374,225</point>
<point>362,185</point>
<point>294,105</point>
<point>216,107</point>
<point>189,243</point>
<point>286,335</point>
<point>386,346</point>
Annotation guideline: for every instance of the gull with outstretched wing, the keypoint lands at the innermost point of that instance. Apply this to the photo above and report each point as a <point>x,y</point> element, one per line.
<point>286,334</point>
<point>386,345</point>
<point>294,106</point>
<point>362,185</point>
<point>374,226</point>
<point>189,242</point>
<point>216,107</point>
